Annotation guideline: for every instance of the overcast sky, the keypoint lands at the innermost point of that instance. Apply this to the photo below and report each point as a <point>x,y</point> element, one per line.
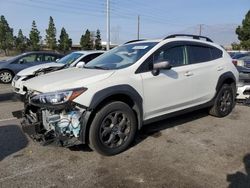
<point>158,17</point>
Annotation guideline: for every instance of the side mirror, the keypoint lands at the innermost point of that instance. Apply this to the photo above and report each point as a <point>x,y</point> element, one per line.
<point>160,65</point>
<point>21,61</point>
<point>57,60</point>
<point>80,64</point>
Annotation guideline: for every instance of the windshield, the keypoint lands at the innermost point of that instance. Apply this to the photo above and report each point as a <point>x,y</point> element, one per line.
<point>70,58</point>
<point>121,56</point>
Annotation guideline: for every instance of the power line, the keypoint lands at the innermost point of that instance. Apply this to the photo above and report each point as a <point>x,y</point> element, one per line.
<point>41,6</point>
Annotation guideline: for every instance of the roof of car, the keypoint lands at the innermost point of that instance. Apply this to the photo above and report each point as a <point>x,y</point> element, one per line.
<point>177,37</point>
<point>41,52</point>
<point>89,51</point>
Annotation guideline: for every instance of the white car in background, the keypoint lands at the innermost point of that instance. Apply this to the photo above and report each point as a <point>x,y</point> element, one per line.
<point>78,59</point>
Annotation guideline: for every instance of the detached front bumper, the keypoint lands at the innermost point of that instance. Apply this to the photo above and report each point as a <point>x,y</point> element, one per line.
<point>243,92</point>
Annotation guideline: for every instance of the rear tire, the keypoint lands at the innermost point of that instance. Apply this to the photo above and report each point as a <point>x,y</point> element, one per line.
<point>6,76</point>
<point>112,129</point>
<point>224,101</point>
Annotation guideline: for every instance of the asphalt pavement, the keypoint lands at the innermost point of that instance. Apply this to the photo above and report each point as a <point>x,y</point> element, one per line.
<point>192,150</point>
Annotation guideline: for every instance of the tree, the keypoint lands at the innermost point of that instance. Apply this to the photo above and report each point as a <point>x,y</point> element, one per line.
<point>6,35</point>
<point>65,42</point>
<point>243,32</point>
<point>235,46</point>
<point>21,41</point>
<point>34,38</point>
<point>86,42</point>
<point>98,40</point>
<point>51,35</point>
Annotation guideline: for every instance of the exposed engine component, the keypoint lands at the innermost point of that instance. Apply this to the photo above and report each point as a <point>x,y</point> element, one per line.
<point>65,123</point>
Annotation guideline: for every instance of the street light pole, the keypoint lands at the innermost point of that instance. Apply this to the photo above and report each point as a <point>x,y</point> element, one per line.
<point>108,25</point>
<point>138,27</point>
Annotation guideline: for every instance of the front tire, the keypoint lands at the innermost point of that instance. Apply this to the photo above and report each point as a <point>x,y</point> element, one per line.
<point>6,76</point>
<point>112,129</point>
<point>224,101</point>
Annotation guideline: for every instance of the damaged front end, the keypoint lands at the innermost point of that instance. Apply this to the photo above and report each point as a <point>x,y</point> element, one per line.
<point>54,117</point>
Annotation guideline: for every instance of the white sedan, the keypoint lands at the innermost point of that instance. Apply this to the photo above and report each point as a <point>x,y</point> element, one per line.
<point>78,58</point>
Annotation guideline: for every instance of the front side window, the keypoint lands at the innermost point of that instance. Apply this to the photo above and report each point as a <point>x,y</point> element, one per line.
<point>175,56</point>
<point>29,59</point>
<point>121,56</point>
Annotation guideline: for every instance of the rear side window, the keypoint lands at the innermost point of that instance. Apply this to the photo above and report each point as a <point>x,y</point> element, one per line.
<point>49,58</point>
<point>199,54</point>
<point>216,53</point>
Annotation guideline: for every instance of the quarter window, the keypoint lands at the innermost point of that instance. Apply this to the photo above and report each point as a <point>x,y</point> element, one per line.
<point>216,53</point>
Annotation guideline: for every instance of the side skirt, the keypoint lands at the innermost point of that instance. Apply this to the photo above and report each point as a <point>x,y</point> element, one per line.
<point>184,111</point>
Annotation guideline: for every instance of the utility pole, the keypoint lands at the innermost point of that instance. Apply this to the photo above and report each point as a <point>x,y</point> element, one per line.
<point>108,26</point>
<point>200,29</point>
<point>138,27</point>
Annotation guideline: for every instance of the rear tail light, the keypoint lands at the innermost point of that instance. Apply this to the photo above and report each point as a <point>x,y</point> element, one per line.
<point>240,63</point>
<point>234,62</point>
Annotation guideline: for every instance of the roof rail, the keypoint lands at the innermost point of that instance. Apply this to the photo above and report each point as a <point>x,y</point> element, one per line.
<point>198,37</point>
<point>137,40</point>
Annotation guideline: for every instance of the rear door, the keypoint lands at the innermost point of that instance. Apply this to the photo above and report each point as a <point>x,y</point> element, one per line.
<point>206,65</point>
<point>173,89</point>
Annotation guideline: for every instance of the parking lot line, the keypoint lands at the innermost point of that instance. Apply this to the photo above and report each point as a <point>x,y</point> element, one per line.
<point>8,119</point>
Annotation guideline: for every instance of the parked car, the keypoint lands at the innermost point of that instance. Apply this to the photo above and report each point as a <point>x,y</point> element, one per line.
<point>238,59</point>
<point>233,53</point>
<point>243,91</point>
<point>114,95</point>
<point>78,58</point>
<point>10,67</point>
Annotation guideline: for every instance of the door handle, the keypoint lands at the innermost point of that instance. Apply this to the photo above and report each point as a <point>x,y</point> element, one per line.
<point>220,68</point>
<point>188,73</point>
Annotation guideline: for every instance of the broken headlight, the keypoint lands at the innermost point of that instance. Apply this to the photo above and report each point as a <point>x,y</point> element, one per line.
<point>57,97</point>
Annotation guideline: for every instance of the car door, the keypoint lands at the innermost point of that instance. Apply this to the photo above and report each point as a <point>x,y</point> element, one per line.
<point>205,62</point>
<point>24,62</point>
<point>171,90</point>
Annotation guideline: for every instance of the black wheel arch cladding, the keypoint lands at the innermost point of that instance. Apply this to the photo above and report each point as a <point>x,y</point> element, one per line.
<point>227,77</point>
<point>102,95</point>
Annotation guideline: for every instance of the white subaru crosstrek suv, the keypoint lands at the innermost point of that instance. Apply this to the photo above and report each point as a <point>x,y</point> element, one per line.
<point>139,82</point>
<point>74,59</point>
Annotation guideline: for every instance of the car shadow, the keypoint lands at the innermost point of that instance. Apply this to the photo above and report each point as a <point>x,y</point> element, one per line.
<point>80,147</point>
<point>12,139</point>
<point>154,129</point>
<point>239,179</point>
<point>10,96</point>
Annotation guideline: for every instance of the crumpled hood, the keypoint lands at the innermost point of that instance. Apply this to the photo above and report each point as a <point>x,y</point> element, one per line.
<point>31,70</point>
<point>66,79</point>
